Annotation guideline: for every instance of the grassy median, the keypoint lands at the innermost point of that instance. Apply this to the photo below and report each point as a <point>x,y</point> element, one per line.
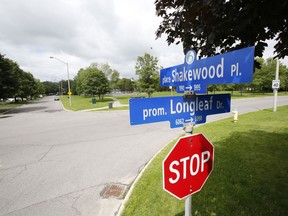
<point>250,175</point>
<point>83,103</point>
<point>4,107</point>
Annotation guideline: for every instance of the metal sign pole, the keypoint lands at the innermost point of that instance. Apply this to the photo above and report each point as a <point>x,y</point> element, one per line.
<point>188,206</point>
<point>188,128</point>
<point>275,90</point>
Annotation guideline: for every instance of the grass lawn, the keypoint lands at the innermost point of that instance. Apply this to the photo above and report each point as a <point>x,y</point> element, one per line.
<point>244,94</point>
<point>4,107</point>
<point>82,103</point>
<point>250,175</point>
<point>124,99</point>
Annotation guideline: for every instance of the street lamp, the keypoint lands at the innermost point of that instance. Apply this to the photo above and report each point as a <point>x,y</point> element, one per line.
<point>69,90</point>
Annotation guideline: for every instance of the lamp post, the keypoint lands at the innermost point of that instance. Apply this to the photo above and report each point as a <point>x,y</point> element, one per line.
<point>69,89</point>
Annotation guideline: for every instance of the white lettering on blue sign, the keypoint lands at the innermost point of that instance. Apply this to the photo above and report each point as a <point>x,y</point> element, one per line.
<point>190,106</point>
<point>232,67</point>
<point>201,73</point>
<point>176,109</point>
<point>153,112</point>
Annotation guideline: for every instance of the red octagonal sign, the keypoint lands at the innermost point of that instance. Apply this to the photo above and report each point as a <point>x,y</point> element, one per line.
<point>188,165</point>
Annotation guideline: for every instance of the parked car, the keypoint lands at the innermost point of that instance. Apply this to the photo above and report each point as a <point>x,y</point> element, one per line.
<point>10,100</point>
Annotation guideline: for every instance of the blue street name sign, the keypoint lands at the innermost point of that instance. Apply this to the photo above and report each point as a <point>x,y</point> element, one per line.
<point>194,75</point>
<point>177,109</point>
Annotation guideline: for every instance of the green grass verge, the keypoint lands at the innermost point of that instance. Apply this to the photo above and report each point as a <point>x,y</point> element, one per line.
<point>124,99</point>
<point>250,175</point>
<point>82,103</point>
<point>245,94</point>
<point>4,107</point>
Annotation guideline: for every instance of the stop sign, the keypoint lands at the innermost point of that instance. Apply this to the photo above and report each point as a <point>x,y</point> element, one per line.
<point>188,165</point>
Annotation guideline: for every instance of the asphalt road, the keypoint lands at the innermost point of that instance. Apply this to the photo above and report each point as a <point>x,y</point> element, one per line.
<point>55,162</point>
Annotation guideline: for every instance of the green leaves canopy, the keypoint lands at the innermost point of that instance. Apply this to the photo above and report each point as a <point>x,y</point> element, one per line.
<point>217,26</point>
<point>16,82</point>
<point>148,71</point>
<point>263,77</point>
<point>92,81</point>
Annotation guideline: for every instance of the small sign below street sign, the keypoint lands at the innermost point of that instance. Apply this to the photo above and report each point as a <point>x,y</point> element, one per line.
<point>188,165</point>
<point>194,75</point>
<point>177,109</point>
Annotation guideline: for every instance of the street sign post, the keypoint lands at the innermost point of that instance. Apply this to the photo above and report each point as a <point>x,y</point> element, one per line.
<point>190,162</point>
<point>194,75</point>
<point>276,86</point>
<point>188,165</point>
<point>177,109</point>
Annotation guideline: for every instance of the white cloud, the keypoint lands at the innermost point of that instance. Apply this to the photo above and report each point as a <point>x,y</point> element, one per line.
<point>81,32</point>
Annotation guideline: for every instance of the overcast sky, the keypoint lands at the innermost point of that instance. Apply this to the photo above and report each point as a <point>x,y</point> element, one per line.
<point>82,32</point>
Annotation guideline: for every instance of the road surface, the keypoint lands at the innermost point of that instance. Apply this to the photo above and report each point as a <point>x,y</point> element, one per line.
<point>55,162</point>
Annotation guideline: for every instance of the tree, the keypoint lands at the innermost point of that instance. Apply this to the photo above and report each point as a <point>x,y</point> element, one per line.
<point>92,81</point>
<point>217,26</point>
<point>284,79</point>
<point>50,87</point>
<point>114,79</point>
<point>213,88</point>
<point>125,85</point>
<point>147,69</point>
<point>79,81</point>
<point>40,87</point>
<point>263,77</point>
<point>28,85</point>
<point>106,69</point>
<point>16,82</point>
<point>9,77</point>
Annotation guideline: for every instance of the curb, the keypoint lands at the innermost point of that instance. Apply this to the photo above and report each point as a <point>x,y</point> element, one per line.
<point>139,176</point>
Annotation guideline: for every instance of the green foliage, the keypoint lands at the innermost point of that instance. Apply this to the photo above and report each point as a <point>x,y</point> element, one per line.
<point>147,69</point>
<point>9,77</point>
<point>209,25</point>
<point>92,81</point>
<point>51,87</point>
<point>40,87</point>
<point>14,82</point>
<point>28,85</point>
<point>106,69</point>
<point>114,79</point>
<point>125,85</point>
<point>111,74</point>
<point>263,76</point>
